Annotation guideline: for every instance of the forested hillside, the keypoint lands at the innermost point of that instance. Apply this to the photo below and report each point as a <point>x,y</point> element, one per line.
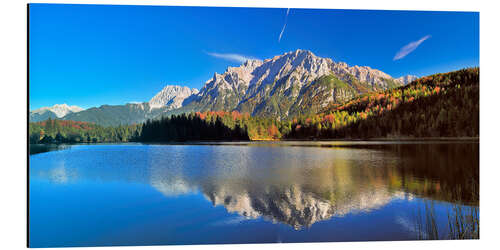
<point>440,105</point>
<point>114,115</point>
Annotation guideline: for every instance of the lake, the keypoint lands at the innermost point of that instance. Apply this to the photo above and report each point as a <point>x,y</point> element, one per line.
<point>263,192</point>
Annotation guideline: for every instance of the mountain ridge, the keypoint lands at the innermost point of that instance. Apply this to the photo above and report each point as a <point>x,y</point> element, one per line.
<point>293,83</point>
<point>272,87</point>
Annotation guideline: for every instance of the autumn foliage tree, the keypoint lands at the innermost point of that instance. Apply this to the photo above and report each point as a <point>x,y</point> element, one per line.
<point>441,105</point>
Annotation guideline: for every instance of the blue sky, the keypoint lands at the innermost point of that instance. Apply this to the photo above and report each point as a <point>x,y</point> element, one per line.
<point>89,55</point>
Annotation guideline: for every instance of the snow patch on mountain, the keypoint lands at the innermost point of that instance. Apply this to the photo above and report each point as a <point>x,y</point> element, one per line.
<point>59,110</point>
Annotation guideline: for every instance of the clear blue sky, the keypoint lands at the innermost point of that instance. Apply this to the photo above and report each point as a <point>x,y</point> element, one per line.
<point>89,55</point>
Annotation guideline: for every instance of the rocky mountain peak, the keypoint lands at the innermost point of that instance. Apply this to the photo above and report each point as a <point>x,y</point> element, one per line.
<point>298,61</point>
<point>171,96</point>
<point>250,86</point>
<point>253,63</point>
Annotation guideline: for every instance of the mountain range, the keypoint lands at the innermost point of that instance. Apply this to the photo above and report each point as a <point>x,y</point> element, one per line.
<point>54,112</point>
<point>287,85</point>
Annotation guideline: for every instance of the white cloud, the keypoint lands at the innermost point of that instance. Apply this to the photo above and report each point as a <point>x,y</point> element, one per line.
<point>284,26</point>
<point>407,49</point>
<point>231,57</point>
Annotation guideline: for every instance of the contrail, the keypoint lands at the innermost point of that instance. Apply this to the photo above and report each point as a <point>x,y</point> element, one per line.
<point>231,57</point>
<point>407,49</point>
<point>284,26</point>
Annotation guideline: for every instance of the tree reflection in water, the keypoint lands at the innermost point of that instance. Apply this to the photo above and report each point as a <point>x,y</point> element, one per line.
<point>295,185</point>
<point>348,179</point>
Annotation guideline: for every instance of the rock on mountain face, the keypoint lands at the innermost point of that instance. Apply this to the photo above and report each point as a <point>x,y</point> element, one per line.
<point>406,79</point>
<point>171,97</point>
<point>56,111</point>
<point>290,84</point>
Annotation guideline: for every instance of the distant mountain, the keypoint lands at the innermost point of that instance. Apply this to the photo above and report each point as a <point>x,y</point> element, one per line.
<point>56,111</point>
<point>287,85</point>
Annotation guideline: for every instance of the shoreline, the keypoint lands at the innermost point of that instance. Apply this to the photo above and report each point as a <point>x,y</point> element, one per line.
<point>286,141</point>
<point>393,139</point>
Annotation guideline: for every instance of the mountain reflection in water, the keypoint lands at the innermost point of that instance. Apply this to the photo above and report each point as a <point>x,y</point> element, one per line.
<point>294,185</point>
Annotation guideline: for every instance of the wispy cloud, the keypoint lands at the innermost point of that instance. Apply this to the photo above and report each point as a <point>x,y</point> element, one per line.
<point>284,26</point>
<point>231,57</point>
<point>407,49</point>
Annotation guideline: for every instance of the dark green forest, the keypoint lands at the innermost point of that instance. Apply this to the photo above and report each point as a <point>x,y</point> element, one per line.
<point>190,128</point>
<point>440,105</point>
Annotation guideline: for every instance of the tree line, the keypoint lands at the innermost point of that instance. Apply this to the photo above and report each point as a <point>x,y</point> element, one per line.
<point>65,131</point>
<point>191,127</point>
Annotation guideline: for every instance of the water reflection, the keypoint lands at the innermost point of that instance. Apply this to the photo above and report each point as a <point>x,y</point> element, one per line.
<point>297,186</point>
<point>42,148</point>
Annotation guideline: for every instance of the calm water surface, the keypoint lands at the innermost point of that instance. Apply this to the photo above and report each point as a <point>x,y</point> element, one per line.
<point>133,194</point>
